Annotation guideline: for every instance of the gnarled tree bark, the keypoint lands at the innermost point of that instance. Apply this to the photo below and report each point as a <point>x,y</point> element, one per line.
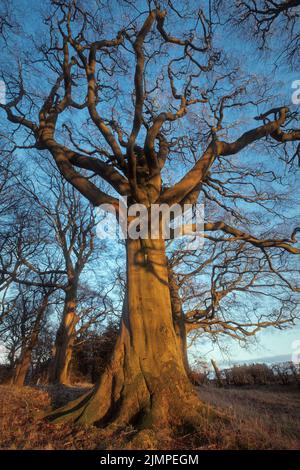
<point>146,383</point>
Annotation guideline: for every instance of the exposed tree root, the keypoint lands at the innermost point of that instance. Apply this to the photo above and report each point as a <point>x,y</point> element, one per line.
<point>146,384</point>
<point>147,404</point>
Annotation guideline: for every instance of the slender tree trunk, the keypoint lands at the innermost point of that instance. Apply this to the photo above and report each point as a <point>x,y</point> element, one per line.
<point>24,361</point>
<point>218,373</point>
<point>146,384</point>
<point>64,341</point>
<point>178,317</point>
<point>22,368</point>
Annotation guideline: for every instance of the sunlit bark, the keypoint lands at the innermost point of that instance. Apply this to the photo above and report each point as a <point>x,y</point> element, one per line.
<point>146,383</point>
<point>62,352</point>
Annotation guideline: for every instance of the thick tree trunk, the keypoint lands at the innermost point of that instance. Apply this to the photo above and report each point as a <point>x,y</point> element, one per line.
<point>64,341</point>
<point>146,384</point>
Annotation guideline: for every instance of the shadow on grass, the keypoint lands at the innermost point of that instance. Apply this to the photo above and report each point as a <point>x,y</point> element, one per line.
<point>60,395</point>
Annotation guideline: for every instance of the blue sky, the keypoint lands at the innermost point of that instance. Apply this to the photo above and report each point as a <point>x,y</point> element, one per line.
<point>271,345</point>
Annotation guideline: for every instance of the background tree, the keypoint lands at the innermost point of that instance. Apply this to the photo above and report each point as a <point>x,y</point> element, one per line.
<point>93,351</point>
<point>220,291</point>
<point>269,20</point>
<point>21,328</point>
<point>11,225</point>
<point>47,243</point>
<point>73,223</point>
<point>25,294</point>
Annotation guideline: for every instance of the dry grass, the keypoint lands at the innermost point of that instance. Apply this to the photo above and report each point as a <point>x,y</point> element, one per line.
<point>21,428</point>
<point>260,418</point>
<point>264,417</point>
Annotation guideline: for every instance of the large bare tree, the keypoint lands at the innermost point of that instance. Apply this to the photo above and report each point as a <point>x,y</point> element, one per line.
<point>128,102</point>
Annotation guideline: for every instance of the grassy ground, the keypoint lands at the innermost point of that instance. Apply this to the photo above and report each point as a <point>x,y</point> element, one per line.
<point>265,417</point>
<point>260,418</point>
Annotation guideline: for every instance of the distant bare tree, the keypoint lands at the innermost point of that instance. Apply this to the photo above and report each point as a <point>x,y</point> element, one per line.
<point>269,20</point>
<point>47,243</point>
<point>21,328</point>
<point>231,303</point>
